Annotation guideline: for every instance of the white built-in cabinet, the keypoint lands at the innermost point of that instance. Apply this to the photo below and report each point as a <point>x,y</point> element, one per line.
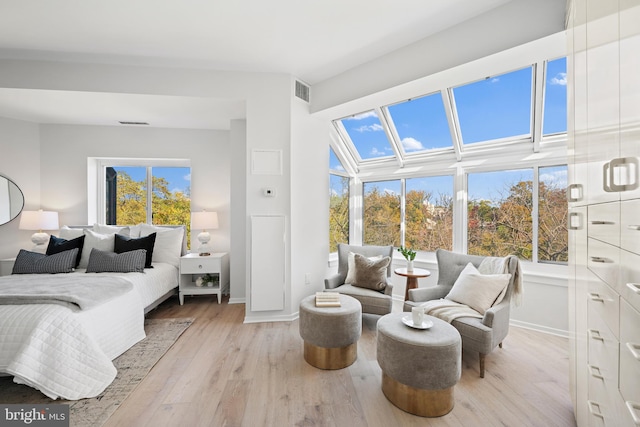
<point>267,262</point>
<point>604,211</point>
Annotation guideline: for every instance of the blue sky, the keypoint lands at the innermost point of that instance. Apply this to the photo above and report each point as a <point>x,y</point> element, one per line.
<point>179,178</point>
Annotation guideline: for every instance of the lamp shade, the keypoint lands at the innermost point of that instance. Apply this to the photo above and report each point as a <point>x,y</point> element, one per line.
<point>39,220</point>
<point>204,220</point>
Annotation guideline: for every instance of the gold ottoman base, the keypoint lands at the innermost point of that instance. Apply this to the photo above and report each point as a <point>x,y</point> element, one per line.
<point>425,403</point>
<point>330,358</point>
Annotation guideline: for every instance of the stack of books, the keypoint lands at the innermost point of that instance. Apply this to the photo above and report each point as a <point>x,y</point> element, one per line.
<point>327,299</point>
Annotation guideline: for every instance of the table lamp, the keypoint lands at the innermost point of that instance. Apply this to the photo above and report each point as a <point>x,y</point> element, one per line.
<point>39,220</point>
<point>204,221</point>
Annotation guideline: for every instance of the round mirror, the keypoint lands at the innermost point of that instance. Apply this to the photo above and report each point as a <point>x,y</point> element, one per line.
<point>11,200</point>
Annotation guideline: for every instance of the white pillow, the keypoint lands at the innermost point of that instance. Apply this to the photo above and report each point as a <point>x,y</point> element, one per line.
<point>351,266</point>
<point>67,233</point>
<point>103,242</point>
<point>112,229</point>
<point>168,246</point>
<point>476,290</point>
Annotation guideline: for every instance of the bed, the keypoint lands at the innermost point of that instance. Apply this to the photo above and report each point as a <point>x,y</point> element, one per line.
<point>63,343</point>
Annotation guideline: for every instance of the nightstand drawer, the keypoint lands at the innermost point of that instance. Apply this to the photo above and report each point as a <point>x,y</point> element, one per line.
<point>199,265</point>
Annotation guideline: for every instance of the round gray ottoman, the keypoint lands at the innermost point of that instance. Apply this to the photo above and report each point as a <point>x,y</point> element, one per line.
<point>420,367</point>
<point>330,334</point>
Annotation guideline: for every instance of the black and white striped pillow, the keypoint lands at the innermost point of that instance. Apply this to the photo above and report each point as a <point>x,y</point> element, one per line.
<point>111,262</point>
<point>36,263</point>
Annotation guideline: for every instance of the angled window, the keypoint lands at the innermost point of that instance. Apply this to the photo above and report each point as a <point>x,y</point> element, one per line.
<point>367,135</point>
<point>334,163</point>
<point>338,211</point>
<point>555,98</point>
<point>421,124</point>
<point>381,218</point>
<point>429,213</point>
<point>499,210</point>
<point>497,107</point>
<point>553,237</point>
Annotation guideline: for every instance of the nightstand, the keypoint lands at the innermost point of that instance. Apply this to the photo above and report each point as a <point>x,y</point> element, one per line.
<point>193,266</point>
<point>6,266</point>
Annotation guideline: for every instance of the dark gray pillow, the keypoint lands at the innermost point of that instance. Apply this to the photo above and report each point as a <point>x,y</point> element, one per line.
<point>111,262</point>
<point>37,263</point>
<point>370,274</point>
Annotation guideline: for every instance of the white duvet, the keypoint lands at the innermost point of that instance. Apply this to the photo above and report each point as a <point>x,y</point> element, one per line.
<point>67,353</point>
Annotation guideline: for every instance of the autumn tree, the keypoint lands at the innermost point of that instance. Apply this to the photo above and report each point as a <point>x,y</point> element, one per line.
<point>381,218</point>
<point>338,213</point>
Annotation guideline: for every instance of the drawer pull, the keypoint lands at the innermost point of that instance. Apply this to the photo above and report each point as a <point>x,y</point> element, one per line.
<point>596,297</point>
<point>634,410</point>
<point>599,259</point>
<point>635,350</point>
<point>594,409</point>
<point>595,372</point>
<point>575,222</point>
<point>635,287</point>
<point>602,222</point>
<point>634,227</point>
<point>595,335</point>
<point>200,266</point>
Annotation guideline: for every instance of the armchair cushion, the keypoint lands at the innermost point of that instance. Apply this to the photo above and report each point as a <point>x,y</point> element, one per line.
<point>370,274</point>
<point>478,291</point>
<point>351,263</point>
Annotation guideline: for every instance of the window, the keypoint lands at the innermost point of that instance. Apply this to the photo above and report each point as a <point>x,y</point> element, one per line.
<point>499,211</point>
<point>381,218</point>
<point>421,124</point>
<point>338,211</point>
<point>128,201</point>
<point>555,97</point>
<point>503,100</point>
<point>552,214</point>
<point>429,213</point>
<point>334,163</point>
<point>367,135</point>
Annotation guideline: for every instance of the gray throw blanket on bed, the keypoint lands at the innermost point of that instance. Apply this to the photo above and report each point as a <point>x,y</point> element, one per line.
<point>81,291</point>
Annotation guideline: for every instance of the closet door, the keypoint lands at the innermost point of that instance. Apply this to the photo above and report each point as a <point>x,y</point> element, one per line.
<point>267,263</point>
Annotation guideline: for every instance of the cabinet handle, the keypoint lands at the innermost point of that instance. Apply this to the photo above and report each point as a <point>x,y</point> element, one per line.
<point>634,409</point>
<point>595,372</point>
<point>595,335</point>
<point>596,297</point>
<point>635,350</point>
<point>594,409</point>
<point>575,222</point>
<point>599,259</point>
<point>574,193</point>
<point>635,287</point>
<point>630,164</point>
<point>634,227</point>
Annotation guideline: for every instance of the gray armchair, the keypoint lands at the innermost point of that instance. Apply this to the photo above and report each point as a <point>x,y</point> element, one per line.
<point>480,335</point>
<point>373,302</point>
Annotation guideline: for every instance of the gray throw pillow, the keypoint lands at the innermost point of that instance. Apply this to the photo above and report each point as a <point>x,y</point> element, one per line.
<point>111,262</point>
<point>370,274</point>
<point>37,263</point>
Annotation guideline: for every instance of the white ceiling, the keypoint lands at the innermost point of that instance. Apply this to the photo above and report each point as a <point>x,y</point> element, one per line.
<point>310,39</point>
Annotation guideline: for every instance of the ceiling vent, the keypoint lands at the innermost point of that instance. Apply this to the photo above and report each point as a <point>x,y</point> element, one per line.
<point>135,123</point>
<point>302,91</point>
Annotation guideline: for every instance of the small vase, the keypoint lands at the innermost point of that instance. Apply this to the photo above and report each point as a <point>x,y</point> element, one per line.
<point>409,266</point>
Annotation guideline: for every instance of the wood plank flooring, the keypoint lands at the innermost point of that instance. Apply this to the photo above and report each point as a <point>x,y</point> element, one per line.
<point>222,372</point>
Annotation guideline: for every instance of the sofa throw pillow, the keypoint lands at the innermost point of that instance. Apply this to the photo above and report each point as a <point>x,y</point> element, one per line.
<point>58,244</point>
<point>111,262</point>
<point>476,290</point>
<point>37,263</point>
<point>370,274</point>
<point>127,244</point>
<point>92,240</point>
<point>351,267</point>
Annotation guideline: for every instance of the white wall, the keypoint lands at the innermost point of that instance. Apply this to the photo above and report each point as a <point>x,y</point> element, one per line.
<point>20,162</point>
<point>239,243</point>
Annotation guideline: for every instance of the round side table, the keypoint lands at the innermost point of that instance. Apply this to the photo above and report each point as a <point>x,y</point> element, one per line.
<point>412,278</point>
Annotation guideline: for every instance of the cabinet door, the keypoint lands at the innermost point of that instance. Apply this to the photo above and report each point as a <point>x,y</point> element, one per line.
<point>267,263</point>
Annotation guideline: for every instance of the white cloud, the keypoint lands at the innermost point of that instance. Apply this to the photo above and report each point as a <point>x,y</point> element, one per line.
<point>187,177</point>
<point>411,144</point>
<point>555,179</point>
<point>495,80</point>
<point>389,191</point>
<point>362,116</point>
<point>376,127</point>
<point>559,79</point>
<point>376,152</point>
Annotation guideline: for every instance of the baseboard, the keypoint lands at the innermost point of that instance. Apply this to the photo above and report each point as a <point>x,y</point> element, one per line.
<point>237,300</point>
<point>539,328</point>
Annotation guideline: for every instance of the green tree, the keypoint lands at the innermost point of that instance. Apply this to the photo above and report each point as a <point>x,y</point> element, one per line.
<point>339,214</point>
<point>381,218</point>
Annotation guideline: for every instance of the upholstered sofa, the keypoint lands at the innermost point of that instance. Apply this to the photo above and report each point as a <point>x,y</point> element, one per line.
<point>478,334</point>
<point>373,301</point>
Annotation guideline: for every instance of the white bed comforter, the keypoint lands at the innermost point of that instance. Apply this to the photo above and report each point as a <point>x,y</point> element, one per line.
<point>66,352</point>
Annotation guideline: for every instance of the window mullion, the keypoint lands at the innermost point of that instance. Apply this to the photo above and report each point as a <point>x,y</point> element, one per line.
<point>392,134</point>
<point>452,119</point>
<point>535,196</point>
<point>149,195</point>
<point>538,103</point>
<point>403,210</point>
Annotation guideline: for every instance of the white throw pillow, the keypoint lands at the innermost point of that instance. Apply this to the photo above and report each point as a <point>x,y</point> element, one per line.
<point>168,246</point>
<point>103,242</point>
<point>351,266</point>
<point>476,290</point>
<point>112,229</point>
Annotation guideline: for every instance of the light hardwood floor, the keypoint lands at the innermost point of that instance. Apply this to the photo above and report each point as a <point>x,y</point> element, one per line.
<point>222,372</point>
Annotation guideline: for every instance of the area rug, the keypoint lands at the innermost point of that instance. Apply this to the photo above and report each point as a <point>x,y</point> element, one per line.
<point>133,366</point>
